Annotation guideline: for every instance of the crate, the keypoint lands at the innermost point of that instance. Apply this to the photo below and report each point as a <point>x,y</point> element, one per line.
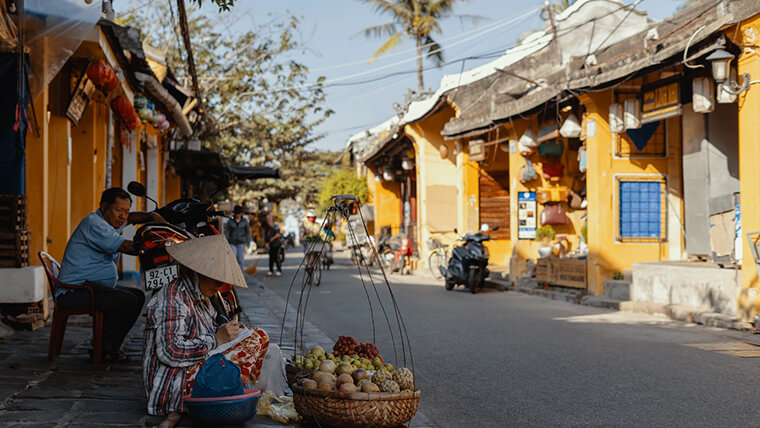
<point>12,213</point>
<point>14,249</point>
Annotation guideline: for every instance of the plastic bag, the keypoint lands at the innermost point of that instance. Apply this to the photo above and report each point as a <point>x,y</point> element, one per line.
<point>280,409</point>
<point>272,377</point>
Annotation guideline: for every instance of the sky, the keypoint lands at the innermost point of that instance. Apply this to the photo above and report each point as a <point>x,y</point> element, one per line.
<point>333,47</point>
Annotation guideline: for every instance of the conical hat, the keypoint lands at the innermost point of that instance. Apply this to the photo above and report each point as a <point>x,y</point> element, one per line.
<point>209,256</point>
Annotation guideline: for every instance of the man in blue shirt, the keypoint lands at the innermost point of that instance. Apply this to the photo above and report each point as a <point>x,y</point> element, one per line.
<point>90,258</point>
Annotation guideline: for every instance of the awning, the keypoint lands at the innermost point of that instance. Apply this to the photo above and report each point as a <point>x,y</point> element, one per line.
<point>207,165</point>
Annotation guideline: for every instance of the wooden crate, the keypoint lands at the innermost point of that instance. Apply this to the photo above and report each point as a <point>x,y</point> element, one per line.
<point>14,249</point>
<point>12,213</point>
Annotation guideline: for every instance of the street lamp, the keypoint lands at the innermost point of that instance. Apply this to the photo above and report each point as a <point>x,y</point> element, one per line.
<point>721,64</point>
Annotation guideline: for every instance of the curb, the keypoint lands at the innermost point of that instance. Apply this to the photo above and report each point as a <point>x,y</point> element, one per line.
<point>674,312</point>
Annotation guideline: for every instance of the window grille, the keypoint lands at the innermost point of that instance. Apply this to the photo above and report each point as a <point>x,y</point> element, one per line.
<point>641,209</point>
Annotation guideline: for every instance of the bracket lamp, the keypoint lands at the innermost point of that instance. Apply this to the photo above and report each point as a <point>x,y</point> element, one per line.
<point>720,60</point>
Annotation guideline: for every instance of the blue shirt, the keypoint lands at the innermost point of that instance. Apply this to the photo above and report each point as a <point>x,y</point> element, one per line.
<point>91,253</point>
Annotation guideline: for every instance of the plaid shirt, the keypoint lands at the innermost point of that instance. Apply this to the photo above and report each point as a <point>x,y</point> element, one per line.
<point>179,333</point>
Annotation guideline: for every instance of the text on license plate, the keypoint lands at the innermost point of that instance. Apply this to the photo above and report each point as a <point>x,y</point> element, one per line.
<point>160,277</point>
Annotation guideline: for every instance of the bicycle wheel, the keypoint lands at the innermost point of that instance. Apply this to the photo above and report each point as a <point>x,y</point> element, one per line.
<point>317,274</point>
<point>436,260</point>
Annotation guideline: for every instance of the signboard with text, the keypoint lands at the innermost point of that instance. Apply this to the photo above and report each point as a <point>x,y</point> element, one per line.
<point>661,101</point>
<point>526,215</point>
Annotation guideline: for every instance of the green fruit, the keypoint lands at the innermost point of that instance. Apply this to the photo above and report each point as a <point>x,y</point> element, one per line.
<point>331,356</point>
<point>377,362</point>
<point>321,358</point>
<point>389,367</point>
<point>346,358</point>
<point>317,351</point>
<point>309,364</point>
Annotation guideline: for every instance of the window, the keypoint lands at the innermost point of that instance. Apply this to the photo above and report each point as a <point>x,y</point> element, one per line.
<point>641,209</point>
<point>645,142</point>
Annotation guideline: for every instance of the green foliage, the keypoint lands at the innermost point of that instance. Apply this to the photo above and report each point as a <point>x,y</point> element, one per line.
<point>224,5</point>
<point>342,181</point>
<point>264,103</point>
<point>417,19</point>
<point>545,233</point>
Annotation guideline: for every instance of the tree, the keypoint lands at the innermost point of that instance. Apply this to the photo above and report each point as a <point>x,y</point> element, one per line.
<point>264,103</point>
<point>418,19</point>
<point>342,182</point>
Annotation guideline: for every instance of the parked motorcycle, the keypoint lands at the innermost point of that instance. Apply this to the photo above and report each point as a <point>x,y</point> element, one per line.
<point>468,264</point>
<point>186,218</point>
<point>394,251</point>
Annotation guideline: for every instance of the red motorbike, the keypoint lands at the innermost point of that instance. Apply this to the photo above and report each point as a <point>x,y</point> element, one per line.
<point>186,218</point>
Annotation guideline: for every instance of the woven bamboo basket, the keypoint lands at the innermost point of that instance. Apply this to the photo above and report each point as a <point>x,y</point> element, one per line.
<point>339,408</point>
<point>356,409</point>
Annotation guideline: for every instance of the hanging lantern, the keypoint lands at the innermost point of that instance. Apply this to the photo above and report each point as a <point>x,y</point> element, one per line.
<point>103,76</point>
<point>721,62</point>
<point>387,175</point>
<point>407,162</point>
<point>528,139</point>
<point>443,150</point>
<point>632,113</point>
<point>126,113</point>
<point>570,128</point>
<point>702,97</point>
<point>616,118</point>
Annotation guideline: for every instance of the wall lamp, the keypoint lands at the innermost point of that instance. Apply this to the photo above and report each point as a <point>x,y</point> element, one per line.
<point>720,60</point>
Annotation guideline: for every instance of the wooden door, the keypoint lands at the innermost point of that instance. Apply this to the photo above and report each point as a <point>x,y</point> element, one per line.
<point>494,201</point>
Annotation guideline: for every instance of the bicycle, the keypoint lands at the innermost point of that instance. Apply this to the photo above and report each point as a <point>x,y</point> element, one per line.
<point>439,255</point>
<point>313,267</point>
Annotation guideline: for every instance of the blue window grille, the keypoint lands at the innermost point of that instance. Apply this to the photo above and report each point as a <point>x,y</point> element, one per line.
<point>641,210</point>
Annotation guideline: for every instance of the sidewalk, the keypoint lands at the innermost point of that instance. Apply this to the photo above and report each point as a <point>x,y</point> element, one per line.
<point>72,392</point>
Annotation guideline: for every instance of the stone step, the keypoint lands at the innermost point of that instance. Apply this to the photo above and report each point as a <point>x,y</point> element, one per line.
<point>617,289</point>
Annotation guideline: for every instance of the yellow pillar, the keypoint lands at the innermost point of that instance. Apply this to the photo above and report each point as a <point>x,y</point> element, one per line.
<point>101,148</point>
<point>59,183</point>
<point>37,180</point>
<point>749,173</point>
<point>83,146</point>
<point>469,201</point>
<point>599,191</point>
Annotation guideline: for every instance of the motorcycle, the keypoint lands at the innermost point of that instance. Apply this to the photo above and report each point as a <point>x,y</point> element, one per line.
<point>468,264</point>
<point>394,251</point>
<point>186,219</point>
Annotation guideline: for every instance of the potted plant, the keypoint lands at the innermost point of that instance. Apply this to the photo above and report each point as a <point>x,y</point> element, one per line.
<point>545,234</point>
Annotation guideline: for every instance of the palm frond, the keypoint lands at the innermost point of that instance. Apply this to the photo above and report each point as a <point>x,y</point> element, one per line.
<point>473,20</point>
<point>434,51</point>
<point>389,44</point>
<point>383,30</point>
<point>386,6</point>
<point>438,8</point>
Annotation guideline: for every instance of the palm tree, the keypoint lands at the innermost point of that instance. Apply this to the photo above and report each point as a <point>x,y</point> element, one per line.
<point>415,18</point>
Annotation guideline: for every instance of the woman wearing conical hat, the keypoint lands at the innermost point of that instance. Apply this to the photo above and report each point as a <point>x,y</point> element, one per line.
<point>182,328</point>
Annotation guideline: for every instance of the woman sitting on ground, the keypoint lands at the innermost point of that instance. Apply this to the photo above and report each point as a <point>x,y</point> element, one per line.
<point>182,327</point>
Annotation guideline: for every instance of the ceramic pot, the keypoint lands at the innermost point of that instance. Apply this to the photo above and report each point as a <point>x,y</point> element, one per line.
<point>544,251</point>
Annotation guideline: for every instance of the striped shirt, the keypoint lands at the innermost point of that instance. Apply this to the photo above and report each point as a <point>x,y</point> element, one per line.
<point>179,333</point>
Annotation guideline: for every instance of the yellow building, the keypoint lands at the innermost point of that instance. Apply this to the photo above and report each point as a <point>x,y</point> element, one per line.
<point>78,144</point>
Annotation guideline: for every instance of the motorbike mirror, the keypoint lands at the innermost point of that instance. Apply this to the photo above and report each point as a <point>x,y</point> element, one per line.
<point>136,189</point>
<point>495,228</point>
<point>484,227</point>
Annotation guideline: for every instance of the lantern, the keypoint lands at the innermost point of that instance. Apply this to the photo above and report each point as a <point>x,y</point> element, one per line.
<point>103,76</point>
<point>721,62</point>
<point>632,113</point>
<point>616,118</point>
<point>702,95</point>
<point>127,115</point>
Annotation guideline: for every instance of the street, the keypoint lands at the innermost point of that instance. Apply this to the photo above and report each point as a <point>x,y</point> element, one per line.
<point>507,359</point>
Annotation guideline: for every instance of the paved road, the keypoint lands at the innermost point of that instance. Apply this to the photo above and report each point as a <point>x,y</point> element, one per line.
<point>508,359</point>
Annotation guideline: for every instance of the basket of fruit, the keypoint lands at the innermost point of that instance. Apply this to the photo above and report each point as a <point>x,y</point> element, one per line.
<point>353,385</point>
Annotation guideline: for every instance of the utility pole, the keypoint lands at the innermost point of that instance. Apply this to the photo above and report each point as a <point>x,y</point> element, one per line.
<point>549,10</point>
<point>184,29</point>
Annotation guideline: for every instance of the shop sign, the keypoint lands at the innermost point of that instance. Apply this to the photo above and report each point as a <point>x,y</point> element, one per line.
<point>526,215</point>
<point>661,101</point>
<point>477,151</point>
<point>80,99</point>
<point>564,272</point>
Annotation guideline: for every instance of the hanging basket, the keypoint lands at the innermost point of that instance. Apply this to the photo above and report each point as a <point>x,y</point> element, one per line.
<point>336,407</point>
<point>356,409</point>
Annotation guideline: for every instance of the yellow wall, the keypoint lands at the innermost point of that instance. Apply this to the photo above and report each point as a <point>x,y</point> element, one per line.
<point>468,208</point>
<point>60,195</point>
<point>83,145</point>
<point>387,206</point>
<point>606,255</point>
<point>749,173</point>
<point>435,177</point>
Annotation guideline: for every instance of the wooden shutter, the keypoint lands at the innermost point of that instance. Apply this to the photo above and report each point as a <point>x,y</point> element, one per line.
<point>494,201</point>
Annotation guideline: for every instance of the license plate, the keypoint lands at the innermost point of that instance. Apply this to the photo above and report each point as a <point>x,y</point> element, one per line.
<point>160,277</point>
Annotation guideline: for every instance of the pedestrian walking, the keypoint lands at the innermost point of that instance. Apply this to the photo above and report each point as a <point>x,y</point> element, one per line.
<point>272,237</point>
<point>238,234</point>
